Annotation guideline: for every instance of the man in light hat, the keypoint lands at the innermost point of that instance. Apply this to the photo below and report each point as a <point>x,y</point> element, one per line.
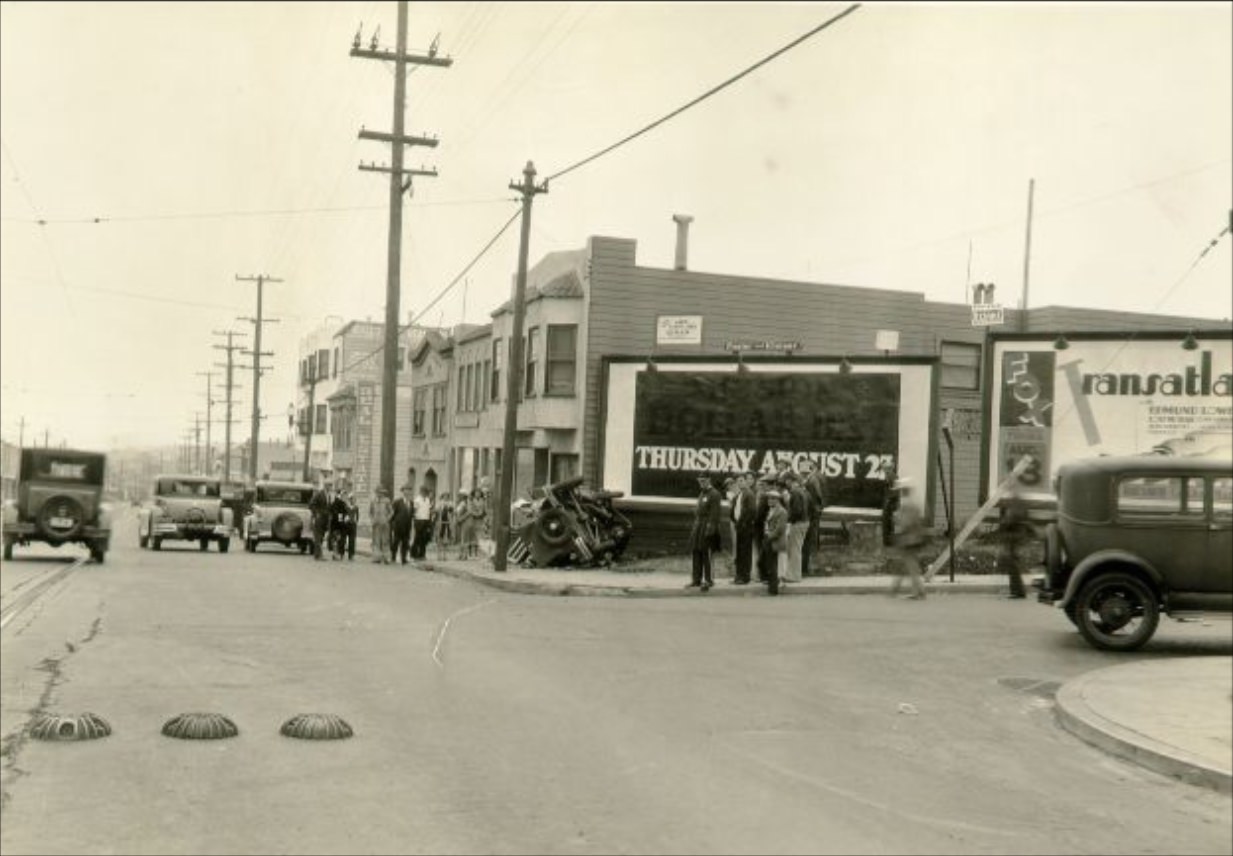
<point>380,512</point>
<point>774,540</point>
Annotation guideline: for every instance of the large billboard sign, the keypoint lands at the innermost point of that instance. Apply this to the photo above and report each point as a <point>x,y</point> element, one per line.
<point>665,426</point>
<point>1104,394</point>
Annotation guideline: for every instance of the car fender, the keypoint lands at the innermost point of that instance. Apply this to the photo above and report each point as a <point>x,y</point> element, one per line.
<point>1092,564</point>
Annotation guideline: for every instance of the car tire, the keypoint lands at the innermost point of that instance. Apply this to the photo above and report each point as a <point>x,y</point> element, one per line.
<point>554,527</point>
<point>61,506</point>
<point>8,549</point>
<point>156,543</point>
<point>224,544</point>
<point>98,553</point>
<point>204,544</point>
<point>1116,612</point>
<point>143,541</point>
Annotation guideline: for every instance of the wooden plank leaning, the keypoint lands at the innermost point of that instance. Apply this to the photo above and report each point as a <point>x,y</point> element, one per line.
<point>979,515</point>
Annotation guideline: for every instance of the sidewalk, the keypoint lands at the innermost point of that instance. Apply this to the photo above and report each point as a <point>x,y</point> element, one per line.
<point>1173,716</point>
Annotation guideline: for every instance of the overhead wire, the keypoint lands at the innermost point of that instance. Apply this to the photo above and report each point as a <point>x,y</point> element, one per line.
<point>441,294</point>
<point>710,92</point>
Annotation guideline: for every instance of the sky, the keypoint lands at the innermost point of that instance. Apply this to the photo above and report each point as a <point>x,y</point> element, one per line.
<point>169,148</point>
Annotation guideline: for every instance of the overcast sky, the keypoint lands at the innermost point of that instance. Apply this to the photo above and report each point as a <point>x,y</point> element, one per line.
<point>891,150</point>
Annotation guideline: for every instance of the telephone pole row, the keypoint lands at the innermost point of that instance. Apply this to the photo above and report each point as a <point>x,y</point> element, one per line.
<point>257,354</point>
<point>229,365</point>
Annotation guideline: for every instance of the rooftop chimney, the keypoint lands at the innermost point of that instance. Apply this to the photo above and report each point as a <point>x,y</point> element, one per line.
<point>682,238</point>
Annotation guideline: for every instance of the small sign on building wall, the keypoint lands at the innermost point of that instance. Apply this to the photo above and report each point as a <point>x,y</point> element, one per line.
<point>986,314</point>
<point>678,330</point>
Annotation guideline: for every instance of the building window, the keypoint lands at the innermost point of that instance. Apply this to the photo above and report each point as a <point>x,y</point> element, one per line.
<point>564,467</point>
<point>439,399</point>
<point>485,395</point>
<point>462,372</point>
<point>561,368</point>
<point>476,383</point>
<point>496,370</point>
<point>532,357</point>
<point>323,364</point>
<point>417,413</point>
<point>336,362</point>
<point>960,365</point>
<point>322,419</point>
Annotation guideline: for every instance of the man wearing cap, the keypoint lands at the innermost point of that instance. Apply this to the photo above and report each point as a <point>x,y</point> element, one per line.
<point>774,539</point>
<point>766,485</point>
<point>815,486</point>
<point>704,537</point>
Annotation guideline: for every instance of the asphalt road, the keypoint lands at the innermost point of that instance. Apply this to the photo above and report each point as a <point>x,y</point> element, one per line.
<point>489,722</point>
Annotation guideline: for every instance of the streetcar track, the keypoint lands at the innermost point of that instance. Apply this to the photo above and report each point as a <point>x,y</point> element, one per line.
<point>35,588</point>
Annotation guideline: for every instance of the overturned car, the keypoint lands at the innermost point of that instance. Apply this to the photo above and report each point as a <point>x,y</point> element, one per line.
<point>567,524</point>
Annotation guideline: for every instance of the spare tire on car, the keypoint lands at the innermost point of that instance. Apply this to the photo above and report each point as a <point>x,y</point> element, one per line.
<point>61,518</point>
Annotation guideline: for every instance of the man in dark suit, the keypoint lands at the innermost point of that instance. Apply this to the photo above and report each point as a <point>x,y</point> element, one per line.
<point>744,521</point>
<point>704,537</point>
<point>815,490</point>
<point>400,525</point>
<point>319,505</point>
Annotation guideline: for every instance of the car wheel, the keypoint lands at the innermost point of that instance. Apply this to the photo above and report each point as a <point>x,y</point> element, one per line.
<point>98,552</point>
<point>8,549</point>
<point>156,542</point>
<point>1116,612</point>
<point>204,544</point>
<point>143,541</point>
<point>61,518</point>
<point>554,528</point>
<point>224,544</point>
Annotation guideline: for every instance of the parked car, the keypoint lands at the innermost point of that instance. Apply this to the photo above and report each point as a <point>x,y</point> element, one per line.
<point>1138,536</point>
<point>185,508</point>
<point>59,501</point>
<point>280,513</point>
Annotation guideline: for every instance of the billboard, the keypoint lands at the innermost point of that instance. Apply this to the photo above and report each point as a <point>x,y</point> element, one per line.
<point>662,427</point>
<point>1104,394</point>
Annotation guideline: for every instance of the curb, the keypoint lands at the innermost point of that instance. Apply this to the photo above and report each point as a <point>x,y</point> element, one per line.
<point>573,589</point>
<point>1080,719</point>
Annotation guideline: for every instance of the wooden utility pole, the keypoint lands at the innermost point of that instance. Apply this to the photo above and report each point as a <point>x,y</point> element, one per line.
<point>1027,258</point>
<point>398,185</point>
<point>197,444</point>
<point>257,354</point>
<point>509,453</point>
<point>209,376</point>
<point>229,365</point>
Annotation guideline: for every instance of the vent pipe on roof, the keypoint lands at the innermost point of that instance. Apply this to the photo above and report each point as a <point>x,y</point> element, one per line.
<point>682,239</point>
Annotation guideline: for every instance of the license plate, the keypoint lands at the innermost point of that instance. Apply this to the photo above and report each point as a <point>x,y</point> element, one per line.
<point>62,522</point>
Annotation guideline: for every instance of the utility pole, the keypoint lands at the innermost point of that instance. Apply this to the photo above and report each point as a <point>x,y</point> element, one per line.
<point>46,437</point>
<point>197,443</point>
<point>1027,258</point>
<point>513,387</point>
<point>398,185</point>
<point>209,376</point>
<point>230,365</point>
<point>310,416</point>
<point>257,354</point>
<point>21,434</point>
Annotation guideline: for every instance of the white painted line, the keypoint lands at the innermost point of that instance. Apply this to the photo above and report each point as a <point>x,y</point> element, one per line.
<point>436,648</point>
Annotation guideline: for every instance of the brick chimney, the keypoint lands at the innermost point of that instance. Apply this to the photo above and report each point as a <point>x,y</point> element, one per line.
<point>682,239</point>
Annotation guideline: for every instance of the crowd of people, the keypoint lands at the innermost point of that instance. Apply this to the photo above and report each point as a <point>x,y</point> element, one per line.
<point>402,528</point>
<point>773,523</point>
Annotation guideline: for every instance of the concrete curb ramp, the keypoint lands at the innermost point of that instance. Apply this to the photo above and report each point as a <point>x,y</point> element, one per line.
<point>1173,716</point>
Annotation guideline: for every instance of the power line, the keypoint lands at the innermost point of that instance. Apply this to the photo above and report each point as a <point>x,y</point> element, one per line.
<point>678,111</point>
<point>444,291</point>
<point>267,212</point>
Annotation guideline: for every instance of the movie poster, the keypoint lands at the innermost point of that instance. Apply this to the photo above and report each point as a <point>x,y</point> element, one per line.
<point>731,422</point>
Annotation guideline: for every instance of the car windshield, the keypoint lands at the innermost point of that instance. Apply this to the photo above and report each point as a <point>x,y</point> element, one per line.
<point>284,495</point>
<point>187,487</point>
